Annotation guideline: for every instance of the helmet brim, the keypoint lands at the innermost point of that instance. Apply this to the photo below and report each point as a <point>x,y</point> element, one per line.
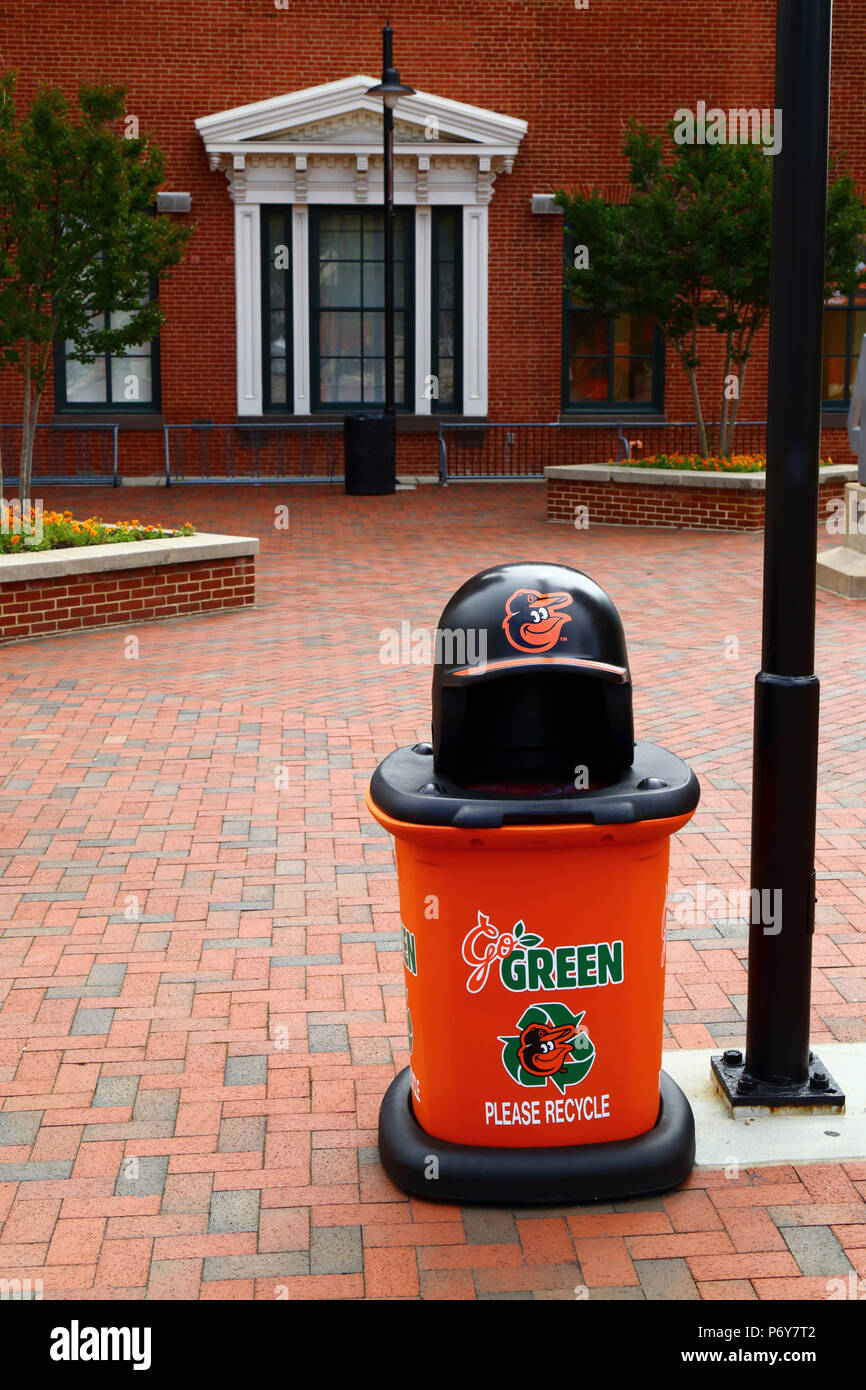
<point>601,670</point>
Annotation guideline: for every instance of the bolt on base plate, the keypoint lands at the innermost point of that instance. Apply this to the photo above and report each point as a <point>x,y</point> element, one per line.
<point>746,1095</point>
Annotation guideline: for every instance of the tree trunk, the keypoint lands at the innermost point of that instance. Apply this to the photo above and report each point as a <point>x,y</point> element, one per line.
<point>32,398</point>
<point>25,463</point>
<point>743,355</point>
<point>723,417</point>
<point>741,376</point>
<point>692,374</point>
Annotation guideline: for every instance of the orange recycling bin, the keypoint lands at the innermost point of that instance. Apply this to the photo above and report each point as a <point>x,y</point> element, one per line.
<point>532,843</point>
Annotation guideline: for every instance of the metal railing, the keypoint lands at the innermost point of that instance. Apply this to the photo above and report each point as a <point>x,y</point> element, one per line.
<point>285,451</point>
<point>68,453</point>
<point>258,453</point>
<point>523,451</point>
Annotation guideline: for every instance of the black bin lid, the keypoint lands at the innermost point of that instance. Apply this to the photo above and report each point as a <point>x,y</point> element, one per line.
<point>531,678</point>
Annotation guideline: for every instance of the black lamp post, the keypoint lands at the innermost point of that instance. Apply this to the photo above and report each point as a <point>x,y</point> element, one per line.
<point>779,1070</point>
<point>379,437</point>
<point>390,89</point>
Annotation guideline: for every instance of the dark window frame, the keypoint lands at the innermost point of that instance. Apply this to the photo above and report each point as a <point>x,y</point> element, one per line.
<point>852,349</point>
<point>656,403</point>
<point>63,406</point>
<point>436,406</point>
<point>317,406</point>
<point>269,210</point>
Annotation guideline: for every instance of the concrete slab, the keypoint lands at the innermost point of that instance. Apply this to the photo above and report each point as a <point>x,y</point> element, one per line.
<point>774,1138</point>
<point>842,571</point>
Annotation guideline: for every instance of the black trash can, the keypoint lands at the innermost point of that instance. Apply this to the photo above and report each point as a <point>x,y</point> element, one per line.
<point>370,450</point>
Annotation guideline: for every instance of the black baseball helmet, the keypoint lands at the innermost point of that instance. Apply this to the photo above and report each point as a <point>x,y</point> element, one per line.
<point>531,681</point>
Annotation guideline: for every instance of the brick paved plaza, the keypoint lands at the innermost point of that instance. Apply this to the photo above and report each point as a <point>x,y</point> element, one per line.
<point>201,984</point>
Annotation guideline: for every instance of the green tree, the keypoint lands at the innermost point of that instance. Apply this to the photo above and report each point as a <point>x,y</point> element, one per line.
<point>691,250</point>
<point>78,237</point>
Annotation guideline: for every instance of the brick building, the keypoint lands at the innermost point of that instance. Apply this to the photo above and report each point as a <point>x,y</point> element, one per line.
<point>275,315</point>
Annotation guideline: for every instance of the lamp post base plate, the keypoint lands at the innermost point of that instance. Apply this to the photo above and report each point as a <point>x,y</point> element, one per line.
<point>745,1095</point>
<point>441,1171</point>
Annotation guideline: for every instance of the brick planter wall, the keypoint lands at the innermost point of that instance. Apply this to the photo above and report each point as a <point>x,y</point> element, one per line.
<point>649,497</point>
<point>117,593</point>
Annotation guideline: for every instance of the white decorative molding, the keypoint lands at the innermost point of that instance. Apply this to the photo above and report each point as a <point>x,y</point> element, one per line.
<point>301,309</point>
<point>475,310</point>
<point>278,118</point>
<point>248,315</point>
<point>485,179</point>
<point>423,304</point>
<point>300,178</point>
<point>422,178</point>
<point>237,178</point>
<point>321,146</point>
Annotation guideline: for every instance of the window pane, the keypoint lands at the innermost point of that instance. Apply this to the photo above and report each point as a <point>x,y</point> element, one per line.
<point>131,380</point>
<point>857,331</point>
<point>447,242</point>
<point>447,280</point>
<point>340,334</point>
<point>374,237</point>
<point>374,285</point>
<point>96,320</point>
<point>588,333</point>
<point>85,381</point>
<point>278,284</point>
<point>374,335</point>
<point>833,379</point>
<point>445,346</point>
<point>640,337</point>
<point>119,318</point>
<point>374,381</point>
<point>340,221</point>
<point>621,334</point>
<point>278,381</point>
<point>340,245</point>
<point>446,381</point>
<point>340,379</point>
<point>835,326</point>
<point>632,379</point>
<point>588,379</point>
<point>278,332</point>
<point>340,284</point>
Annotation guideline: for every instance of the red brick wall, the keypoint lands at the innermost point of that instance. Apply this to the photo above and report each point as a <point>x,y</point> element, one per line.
<point>39,607</point>
<point>700,508</point>
<point>574,75</point>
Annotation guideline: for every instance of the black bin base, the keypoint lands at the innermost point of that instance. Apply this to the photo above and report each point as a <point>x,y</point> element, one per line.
<point>652,1162</point>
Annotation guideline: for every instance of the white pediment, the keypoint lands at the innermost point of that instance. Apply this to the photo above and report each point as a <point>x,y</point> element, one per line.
<point>362,128</point>
<point>342,114</point>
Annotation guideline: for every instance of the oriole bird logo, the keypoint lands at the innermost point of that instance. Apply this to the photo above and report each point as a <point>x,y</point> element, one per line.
<point>533,621</point>
<point>544,1050</point>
